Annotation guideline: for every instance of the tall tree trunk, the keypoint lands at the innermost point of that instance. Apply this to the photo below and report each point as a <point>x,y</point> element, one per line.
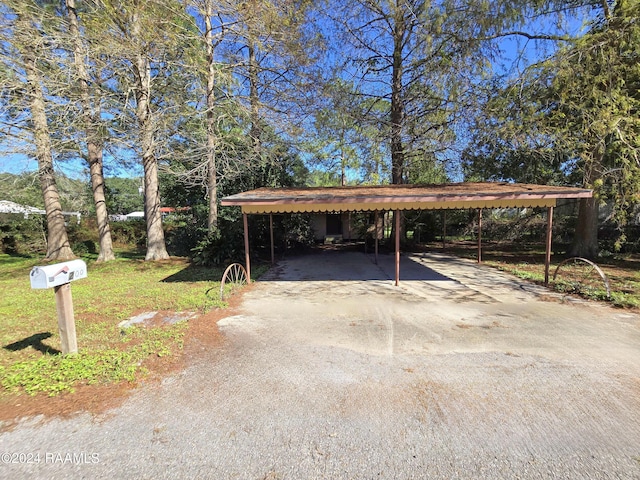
<point>58,247</point>
<point>397,107</point>
<point>254,99</point>
<point>212,138</point>
<point>585,241</point>
<point>343,160</point>
<point>156,247</point>
<point>94,143</point>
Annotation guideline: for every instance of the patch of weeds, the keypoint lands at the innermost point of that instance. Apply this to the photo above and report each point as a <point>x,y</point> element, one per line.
<point>112,292</point>
<point>259,270</point>
<point>520,270</point>
<point>624,300</point>
<point>57,373</point>
<point>53,374</point>
<point>212,299</point>
<point>527,275</point>
<point>590,293</point>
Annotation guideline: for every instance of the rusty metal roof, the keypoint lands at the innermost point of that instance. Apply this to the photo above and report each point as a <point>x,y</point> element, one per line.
<point>402,197</point>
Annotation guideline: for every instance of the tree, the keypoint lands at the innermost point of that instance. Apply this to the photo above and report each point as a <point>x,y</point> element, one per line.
<point>90,115</point>
<point>270,51</point>
<point>214,19</point>
<point>573,119</point>
<point>339,143</point>
<point>23,189</point>
<point>30,43</point>
<point>146,42</point>
<point>123,195</point>
<point>510,140</point>
<point>141,69</point>
<point>405,63</point>
<point>413,64</point>
<point>212,137</point>
<point>597,115</point>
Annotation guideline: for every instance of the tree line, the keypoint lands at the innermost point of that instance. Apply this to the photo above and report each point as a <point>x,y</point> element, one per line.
<point>211,97</point>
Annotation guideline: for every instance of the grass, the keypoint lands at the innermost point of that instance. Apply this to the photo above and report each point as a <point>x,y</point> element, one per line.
<point>527,261</point>
<point>30,361</point>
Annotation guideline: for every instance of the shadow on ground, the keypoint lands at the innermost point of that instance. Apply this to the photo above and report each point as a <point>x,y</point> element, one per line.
<point>195,273</point>
<point>352,267</point>
<point>35,342</point>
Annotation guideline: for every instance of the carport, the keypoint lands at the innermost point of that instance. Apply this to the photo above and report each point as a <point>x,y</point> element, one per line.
<point>397,198</point>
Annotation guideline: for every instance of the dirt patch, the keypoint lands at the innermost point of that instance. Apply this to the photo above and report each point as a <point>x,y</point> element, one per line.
<point>203,332</point>
<point>86,398</point>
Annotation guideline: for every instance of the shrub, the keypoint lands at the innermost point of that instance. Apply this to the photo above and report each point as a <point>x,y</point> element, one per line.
<point>22,236</point>
<point>130,232</point>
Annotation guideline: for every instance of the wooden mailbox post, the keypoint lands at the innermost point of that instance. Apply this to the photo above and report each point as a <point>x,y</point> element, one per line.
<point>59,277</point>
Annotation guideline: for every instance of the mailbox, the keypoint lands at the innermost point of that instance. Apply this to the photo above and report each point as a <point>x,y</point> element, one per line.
<point>58,274</point>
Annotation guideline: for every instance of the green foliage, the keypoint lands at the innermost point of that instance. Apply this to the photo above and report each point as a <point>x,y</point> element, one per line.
<point>342,148</point>
<point>572,119</point>
<point>625,300</point>
<point>123,196</point>
<point>22,236</point>
<point>601,122</point>
<point>621,272</point>
<point>53,374</point>
<point>219,248</point>
<point>426,169</point>
<point>425,225</point>
<point>323,178</point>
<point>294,231</point>
<point>182,235</point>
<point>83,236</point>
<point>132,233</point>
<point>25,189</point>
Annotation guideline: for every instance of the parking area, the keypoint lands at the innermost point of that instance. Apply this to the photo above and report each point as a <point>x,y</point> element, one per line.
<point>330,371</point>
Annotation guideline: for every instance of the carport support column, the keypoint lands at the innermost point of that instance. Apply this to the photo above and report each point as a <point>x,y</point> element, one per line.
<point>479,235</point>
<point>547,258</point>
<point>375,234</point>
<point>247,262</point>
<point>397,218</point>
<point>273,256</point>
<point>444,229</point>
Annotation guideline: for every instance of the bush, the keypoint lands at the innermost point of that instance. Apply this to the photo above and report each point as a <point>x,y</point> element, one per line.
<point>130,232</point>
<point>183,233</point>
<point>217,249</point>
<point>84,247</point>
<point>22,236</point>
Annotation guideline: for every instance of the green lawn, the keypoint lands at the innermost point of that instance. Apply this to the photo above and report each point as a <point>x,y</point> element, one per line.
<point>30,361</point>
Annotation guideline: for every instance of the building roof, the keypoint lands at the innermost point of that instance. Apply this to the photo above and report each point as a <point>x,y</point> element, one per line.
<point>402,197</point>
<point>11,207</point>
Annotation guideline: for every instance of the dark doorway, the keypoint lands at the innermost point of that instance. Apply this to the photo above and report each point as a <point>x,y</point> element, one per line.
<point>334,224</point>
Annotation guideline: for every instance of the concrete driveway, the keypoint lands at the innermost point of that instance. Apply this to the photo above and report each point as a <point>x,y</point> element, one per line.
<point>332,372</point>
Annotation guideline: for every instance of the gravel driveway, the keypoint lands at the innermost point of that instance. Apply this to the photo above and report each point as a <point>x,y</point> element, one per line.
<point>332,372</point>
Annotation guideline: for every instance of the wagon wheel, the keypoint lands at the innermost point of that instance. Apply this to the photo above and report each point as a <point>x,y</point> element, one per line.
<point>582,275</point>
<point>233,278</point>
